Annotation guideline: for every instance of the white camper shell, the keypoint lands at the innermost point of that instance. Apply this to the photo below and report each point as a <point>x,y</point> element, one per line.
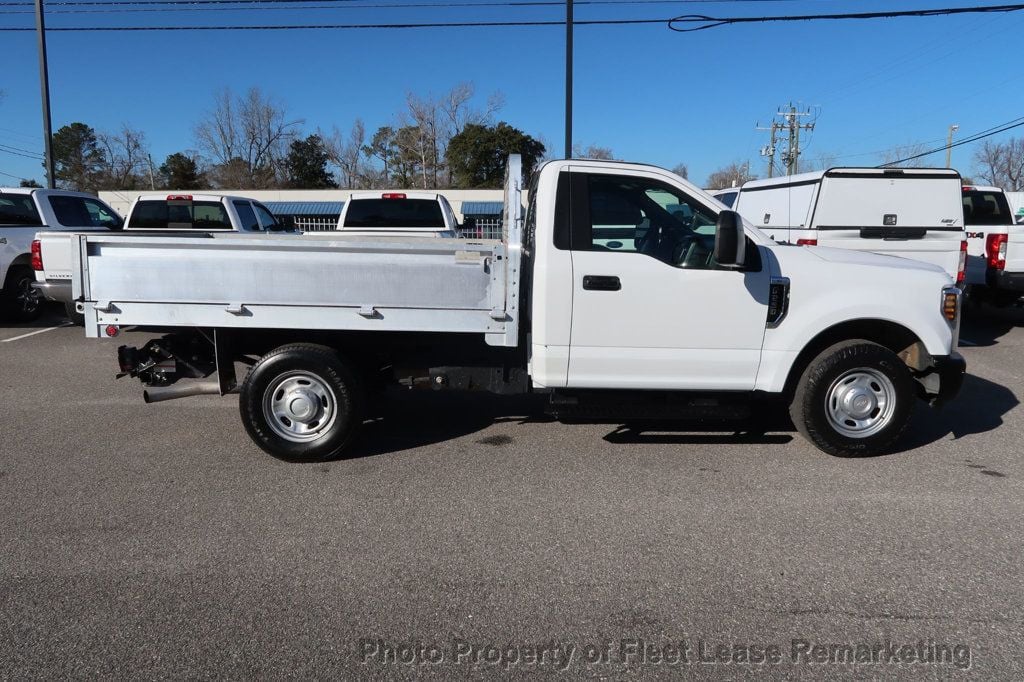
<point>914,213</point>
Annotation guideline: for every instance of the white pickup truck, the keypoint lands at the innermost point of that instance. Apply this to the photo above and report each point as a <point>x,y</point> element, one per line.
<point>198,213</point>
<point>398,214</point>
<point>995,251</point>
<point>672,317</point>
<point>23,212</point>
<point>912,213</point>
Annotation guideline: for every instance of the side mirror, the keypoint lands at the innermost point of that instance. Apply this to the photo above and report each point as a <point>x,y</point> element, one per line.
<point>730,240</point>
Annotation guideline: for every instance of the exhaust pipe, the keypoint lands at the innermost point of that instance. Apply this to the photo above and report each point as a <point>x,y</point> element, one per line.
<point>158,394</point>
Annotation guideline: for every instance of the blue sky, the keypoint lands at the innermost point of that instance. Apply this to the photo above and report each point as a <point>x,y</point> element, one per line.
<point>649,94</point>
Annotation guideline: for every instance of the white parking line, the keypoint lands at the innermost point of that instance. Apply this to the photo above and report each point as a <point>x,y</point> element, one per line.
<point>38,331</point>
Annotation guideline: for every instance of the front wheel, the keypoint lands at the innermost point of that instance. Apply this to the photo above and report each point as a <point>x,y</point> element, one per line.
<point>302,403</point>
<point>854,399</point>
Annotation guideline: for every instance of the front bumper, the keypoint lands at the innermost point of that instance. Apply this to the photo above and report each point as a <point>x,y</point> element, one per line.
<point>943,379</point>
<point>1005,281</point>
<point>54,291</point>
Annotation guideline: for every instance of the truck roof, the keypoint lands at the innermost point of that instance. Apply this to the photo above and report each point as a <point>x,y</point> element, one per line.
<point>983,188</point>
<point>45,192</point>
<point>816,176</point>
<point>384,194</point>
<point>191,197</point>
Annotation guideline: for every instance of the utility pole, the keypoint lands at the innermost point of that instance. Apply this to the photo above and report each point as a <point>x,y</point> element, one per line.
<point>949,144</point>
<point>769,151</point>
<point>792,118</point>
<point>152,181</point>
<point>568,78</point>
<point>44,84</point>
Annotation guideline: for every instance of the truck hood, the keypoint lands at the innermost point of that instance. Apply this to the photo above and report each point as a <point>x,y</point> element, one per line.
<point>851,257</point>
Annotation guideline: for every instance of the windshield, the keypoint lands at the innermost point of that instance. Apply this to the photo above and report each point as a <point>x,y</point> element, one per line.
<point>394,213</point>
<point>179,215</point>
<point>983,207</point>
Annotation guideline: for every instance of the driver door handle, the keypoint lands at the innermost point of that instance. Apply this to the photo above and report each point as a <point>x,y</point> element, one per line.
<point>601,283</point>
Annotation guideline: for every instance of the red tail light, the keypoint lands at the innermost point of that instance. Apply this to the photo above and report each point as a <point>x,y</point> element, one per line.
<point>393,195</point>
<point>37,256</point>
<point>806,242</point>
<point>961,271</point>
<point>179,197</point>
<point>995,251</point>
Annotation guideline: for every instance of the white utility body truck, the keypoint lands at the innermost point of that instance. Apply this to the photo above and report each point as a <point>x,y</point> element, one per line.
<point>23,212</point>
<point>995,251</point>
<point>913,213</point>
<point>398,214</point>
<point>671,318</point>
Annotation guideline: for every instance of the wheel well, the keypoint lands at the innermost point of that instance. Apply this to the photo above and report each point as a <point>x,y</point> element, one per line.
<point>891,335</point>
<point>23,259</point>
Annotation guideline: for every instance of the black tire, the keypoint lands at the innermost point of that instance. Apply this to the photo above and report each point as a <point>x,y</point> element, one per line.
<point>76,317</point>
<point>21,302</point>
<point>868,372</point>
<point>274,385</point>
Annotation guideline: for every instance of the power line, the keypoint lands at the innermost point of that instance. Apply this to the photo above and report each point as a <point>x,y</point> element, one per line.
<point>12,175</point>
<point>989,132</point>
<point>307,27</point>
<point>714,22</point>
<point>27,156</point>
<point>90,3</point>
<point>117,7</point>
<point>19,149</point>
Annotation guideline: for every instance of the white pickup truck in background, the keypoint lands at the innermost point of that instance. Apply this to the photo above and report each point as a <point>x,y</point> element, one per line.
<point>995,247</point>
<point>198,213</point>
<point>693,313</point>
<point>913,213</point>
<point>23,212</point>
<point>398,214</point>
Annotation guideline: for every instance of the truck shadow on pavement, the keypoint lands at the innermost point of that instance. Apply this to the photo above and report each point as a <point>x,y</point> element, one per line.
<point>53,315</point>
<point>404,421</point>
<point>983,325</point>
<point>978,408</point>
<point>420,419</point>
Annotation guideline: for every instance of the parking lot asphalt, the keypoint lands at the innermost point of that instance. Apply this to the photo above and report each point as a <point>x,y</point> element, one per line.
<point>158,541</point>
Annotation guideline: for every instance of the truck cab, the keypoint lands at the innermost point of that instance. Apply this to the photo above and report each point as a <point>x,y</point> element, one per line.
<point>397,214</point>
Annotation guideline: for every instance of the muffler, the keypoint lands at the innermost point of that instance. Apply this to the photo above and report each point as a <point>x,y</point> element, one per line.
<point>158,394</point>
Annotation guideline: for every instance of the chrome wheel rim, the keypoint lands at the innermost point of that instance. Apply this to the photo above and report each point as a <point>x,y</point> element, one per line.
<point>300,407</point>
<point>860,403</point>
<point>27,297</point>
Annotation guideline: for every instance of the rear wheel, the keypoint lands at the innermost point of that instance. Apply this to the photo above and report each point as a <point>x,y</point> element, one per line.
<point>854,399</point>
<point>21,301</point>
<point>302,403</point>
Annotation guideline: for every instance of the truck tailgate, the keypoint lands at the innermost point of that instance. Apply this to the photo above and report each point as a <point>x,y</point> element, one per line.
<point>938,247</point>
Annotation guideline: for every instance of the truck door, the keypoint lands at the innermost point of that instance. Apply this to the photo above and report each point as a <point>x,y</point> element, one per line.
<point>651,309</point>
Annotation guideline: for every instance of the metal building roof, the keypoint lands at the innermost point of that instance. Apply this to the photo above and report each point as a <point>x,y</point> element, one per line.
<point>283,208</point>
<point>482,207</point>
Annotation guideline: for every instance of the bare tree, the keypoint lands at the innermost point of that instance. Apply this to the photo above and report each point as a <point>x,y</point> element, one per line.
<point>1002,164</point>
<point>821,161</point>
<point>125,159</point>
<point>682,170</point>
<point>346,152</point>
<point>592,151</point>
<point>424,117</point>
<point>250,132</point>
<point>733,175</point>
<point>899,156</point>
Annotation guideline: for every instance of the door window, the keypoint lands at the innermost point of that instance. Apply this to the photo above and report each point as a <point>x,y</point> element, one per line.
<point>247,216</point>
<point>83,212</point>
<point>640,215</point>
<point>266,218</point>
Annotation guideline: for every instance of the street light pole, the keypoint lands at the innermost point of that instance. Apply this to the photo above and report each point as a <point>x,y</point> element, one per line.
<point>568,78</point>
<point>949,144</point>
<point>44,84</point>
